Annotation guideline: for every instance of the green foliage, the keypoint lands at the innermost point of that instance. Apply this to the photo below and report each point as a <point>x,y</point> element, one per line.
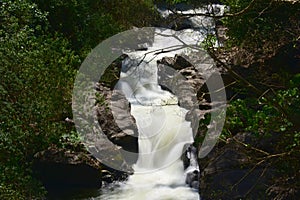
<point>87,22</point>
<point>263,35</point>
<point>263,119</point>
<point>203,123</point>
<point>7,193</point>
<point>128,13</point>
<point>176,1</point>
<point>100,100</point>
<point>295,81</point>
<point>209,41</point>
<point>260,116</point>
<point>72,141</point>
<point>37,72</point>
<point>261,22</point>
<point>41,46</point>
<point>191,2</point>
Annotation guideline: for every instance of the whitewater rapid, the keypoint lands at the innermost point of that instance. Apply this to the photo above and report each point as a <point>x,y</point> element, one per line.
<point>159,173</point>
<point>163,131</point>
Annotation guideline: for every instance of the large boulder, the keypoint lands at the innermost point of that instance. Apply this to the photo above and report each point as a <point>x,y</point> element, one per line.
<point>186,81</point>
<point>113,113</point>
<point>76,173</point>
<point>60,168</point>
<point>117,123</point>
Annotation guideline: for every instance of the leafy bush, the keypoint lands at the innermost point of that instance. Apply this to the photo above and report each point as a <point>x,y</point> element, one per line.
<point>37,72</point>
<point>87,22</point>
<point>261,116</point>
<point>262,25</point>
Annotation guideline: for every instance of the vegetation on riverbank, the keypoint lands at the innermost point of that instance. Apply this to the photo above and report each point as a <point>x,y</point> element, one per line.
<point>262,57</point>
<point>42,45</point>
<point>44,42</point>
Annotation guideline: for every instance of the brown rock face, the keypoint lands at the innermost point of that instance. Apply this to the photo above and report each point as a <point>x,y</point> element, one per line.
<point>117,123</point>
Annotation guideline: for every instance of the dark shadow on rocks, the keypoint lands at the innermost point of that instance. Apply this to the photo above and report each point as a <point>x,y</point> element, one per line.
<point>63,171</point>
<point>66,174</point>
<point>230,171</point>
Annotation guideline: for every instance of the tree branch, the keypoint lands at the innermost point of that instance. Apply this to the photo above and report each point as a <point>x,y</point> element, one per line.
<point>251,4</point>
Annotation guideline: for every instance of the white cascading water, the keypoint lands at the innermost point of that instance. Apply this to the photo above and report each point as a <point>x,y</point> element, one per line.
<point>159,173</point>
<point>163,131</point>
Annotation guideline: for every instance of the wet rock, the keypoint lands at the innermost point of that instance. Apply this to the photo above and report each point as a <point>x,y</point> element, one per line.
<point>192,179</point>
<point>186,80</point>
<point>116,121</point>
<point>182,79</point>
<point>108,154</point>
<point>178,62</point>
<point>189,157</point>
<point>191,167</point>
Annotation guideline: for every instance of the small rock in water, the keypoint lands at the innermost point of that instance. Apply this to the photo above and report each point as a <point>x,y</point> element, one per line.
<point>189,157</point>
<point>192,179</point>
<point>191,167</point>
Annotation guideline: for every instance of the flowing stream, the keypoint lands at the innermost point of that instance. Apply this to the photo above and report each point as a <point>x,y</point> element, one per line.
<point>163,130</point>
<point>159,173</point>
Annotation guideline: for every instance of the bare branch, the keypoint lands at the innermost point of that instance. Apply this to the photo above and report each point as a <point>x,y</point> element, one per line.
<point>251,4</point>
<point>264,159</point>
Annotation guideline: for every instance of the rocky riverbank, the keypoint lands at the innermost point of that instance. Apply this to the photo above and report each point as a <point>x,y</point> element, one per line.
<point>237,168</point>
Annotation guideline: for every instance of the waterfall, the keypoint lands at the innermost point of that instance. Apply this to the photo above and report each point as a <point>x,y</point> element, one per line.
<point>163,131</point>
<point>159,173</point>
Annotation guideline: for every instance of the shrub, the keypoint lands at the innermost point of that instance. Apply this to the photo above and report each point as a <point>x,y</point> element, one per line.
<point>37,71</point>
